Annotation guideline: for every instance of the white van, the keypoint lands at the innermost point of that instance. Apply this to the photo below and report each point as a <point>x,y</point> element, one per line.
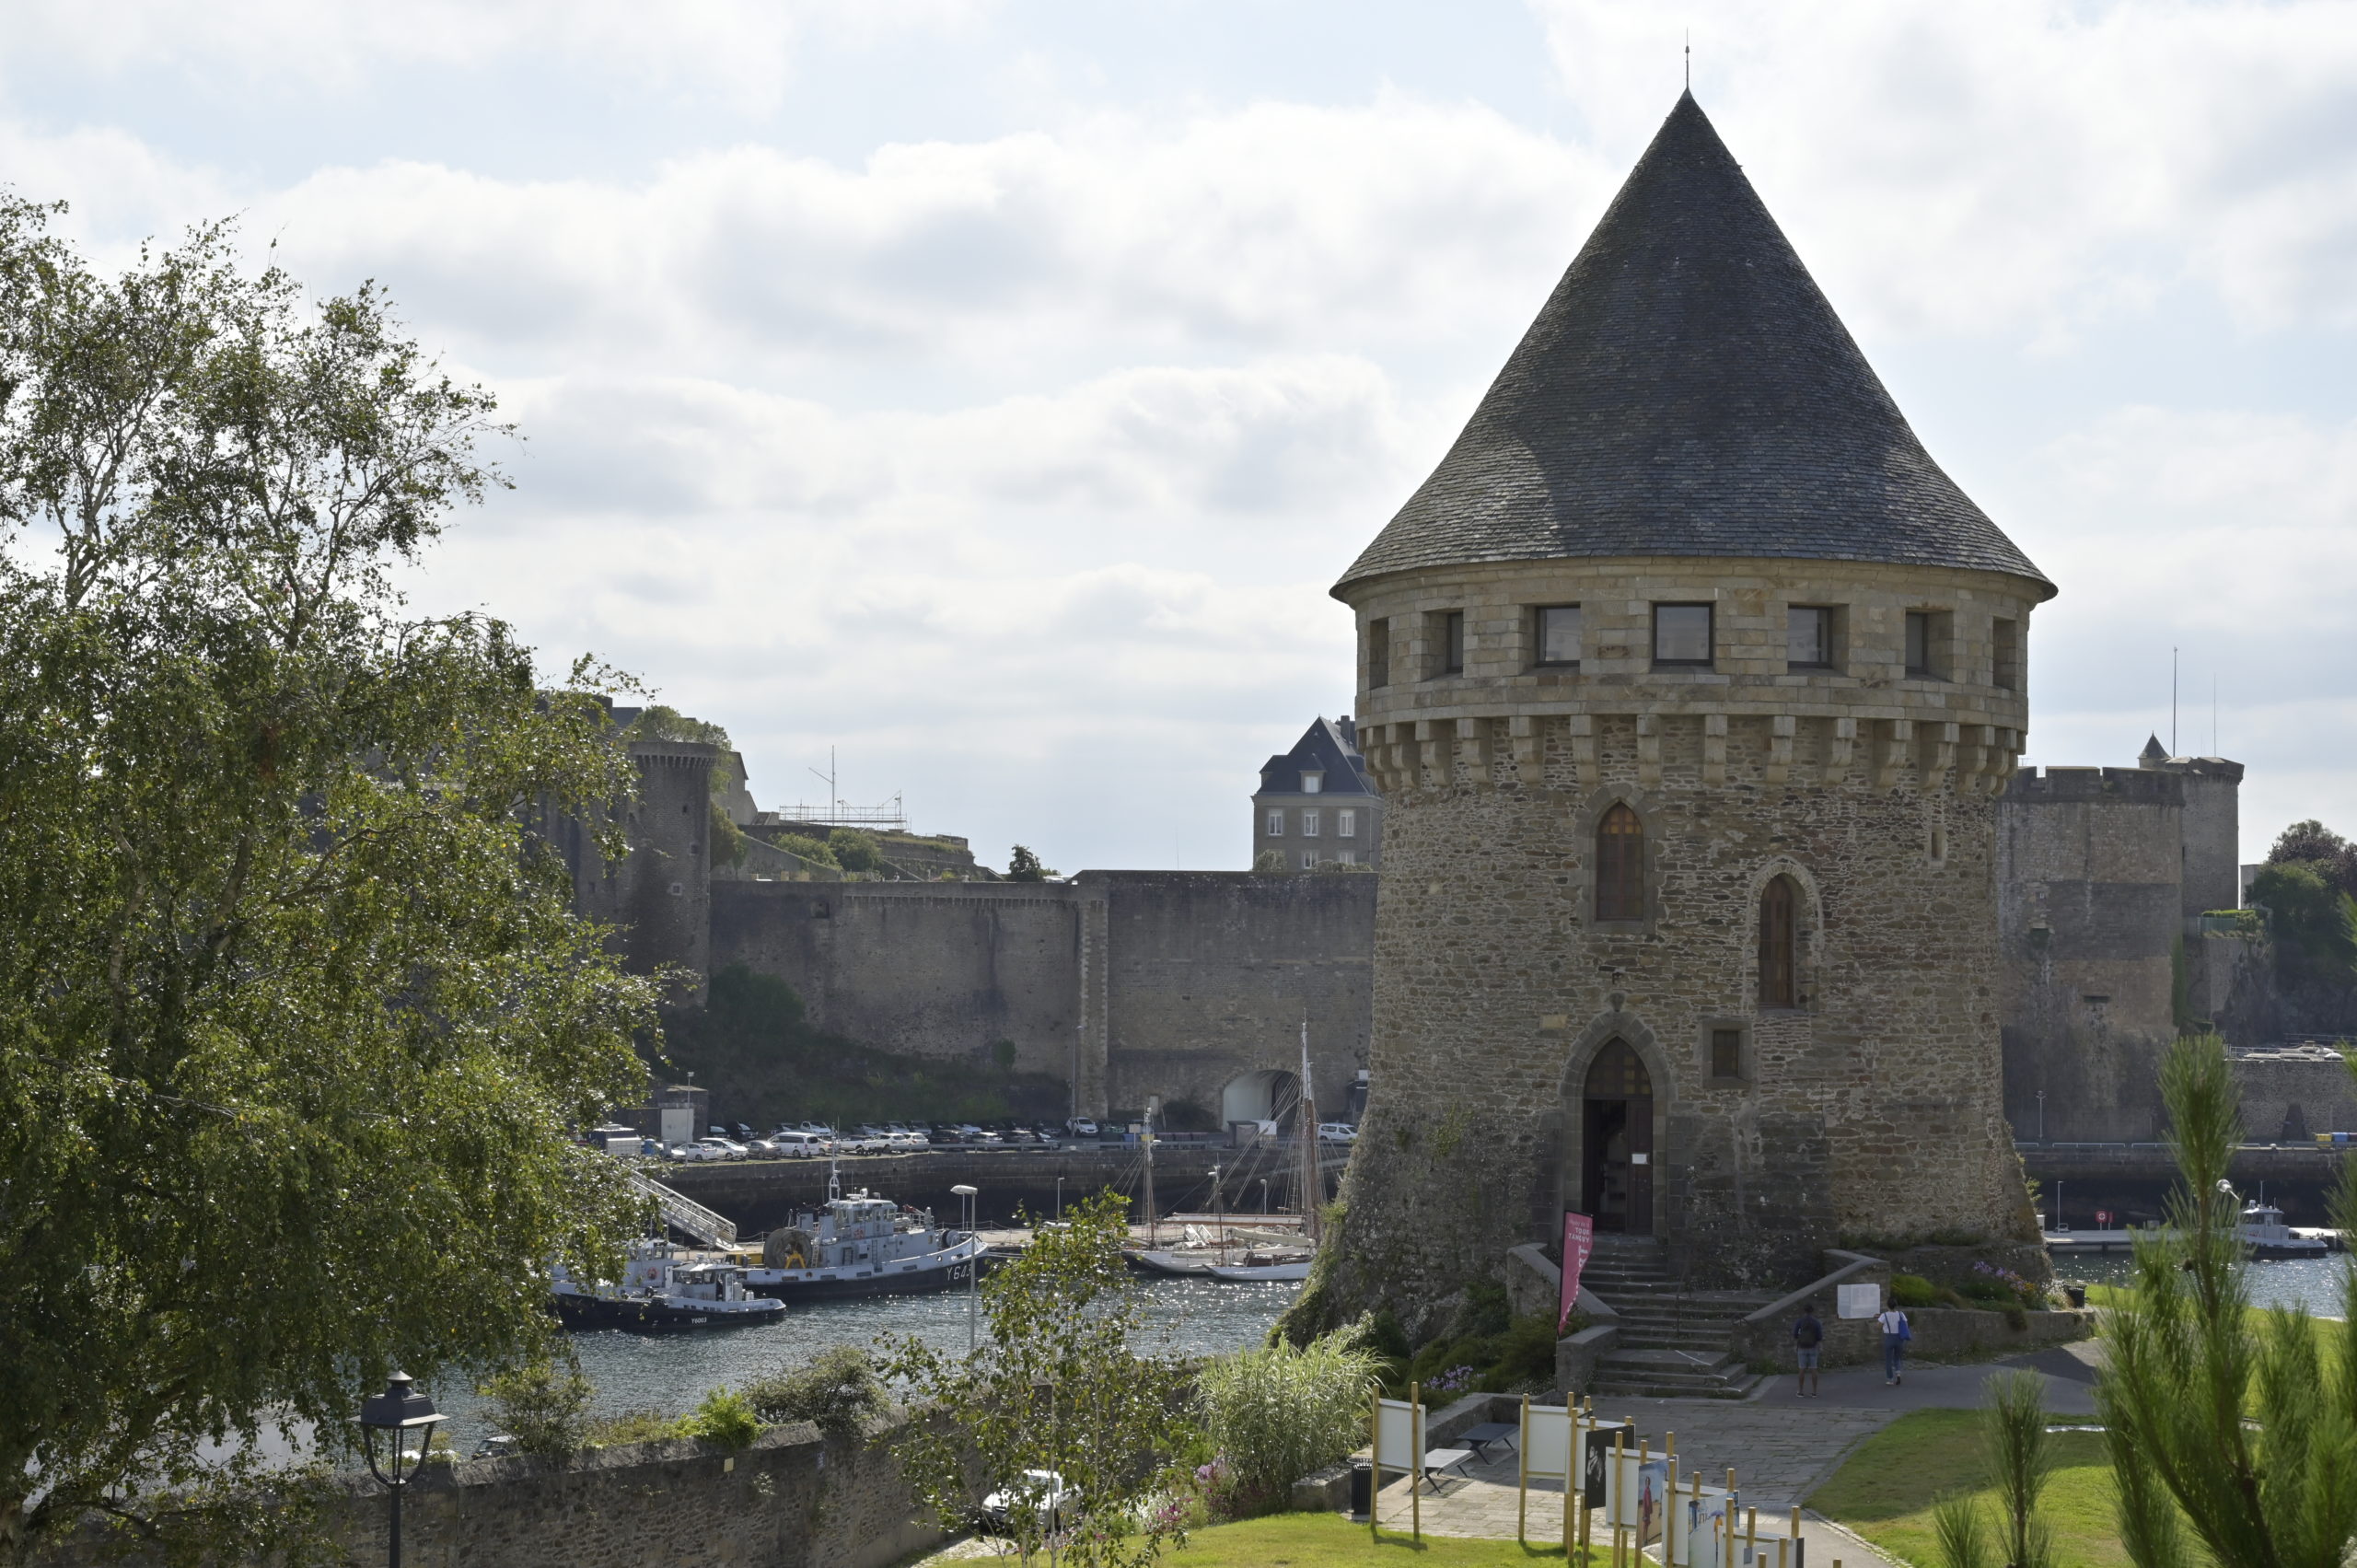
<point>797,1145</point>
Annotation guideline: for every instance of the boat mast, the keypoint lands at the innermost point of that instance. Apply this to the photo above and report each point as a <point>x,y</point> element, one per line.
<point>1152,1230</point>
<point>1313,1187</point>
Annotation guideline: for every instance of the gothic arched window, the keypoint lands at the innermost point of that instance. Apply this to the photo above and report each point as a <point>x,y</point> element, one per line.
<point>1620,865</point>
<point>1779,984</point>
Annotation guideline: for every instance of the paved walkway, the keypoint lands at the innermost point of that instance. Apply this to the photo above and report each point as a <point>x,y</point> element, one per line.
<point>1781,1446</point>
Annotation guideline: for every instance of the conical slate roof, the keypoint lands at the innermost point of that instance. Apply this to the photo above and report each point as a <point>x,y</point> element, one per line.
<point>1687,390</point>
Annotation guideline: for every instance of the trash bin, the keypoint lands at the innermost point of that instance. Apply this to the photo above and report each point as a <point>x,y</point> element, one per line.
<point>2075,1294</point>
<point>1362,1488</point>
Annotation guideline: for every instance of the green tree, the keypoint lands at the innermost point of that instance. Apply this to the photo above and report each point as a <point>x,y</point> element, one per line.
<point>854,850</point>
<point>2309,918</point>
<point>544,1406</point>
<point>297,1013</point>
<point>1056,1387</point>
<point>1270,861</point>
<point>1023,866</point>
<point>2233,1433</point>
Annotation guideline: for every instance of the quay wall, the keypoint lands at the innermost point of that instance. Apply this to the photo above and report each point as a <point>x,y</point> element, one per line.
<point>762,1194</point>
<point>793,1499</point>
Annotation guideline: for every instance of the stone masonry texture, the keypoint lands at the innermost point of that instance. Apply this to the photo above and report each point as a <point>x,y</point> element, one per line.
<point>1872,1108</point>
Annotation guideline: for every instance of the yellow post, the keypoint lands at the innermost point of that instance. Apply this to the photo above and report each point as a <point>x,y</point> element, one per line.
<point>1612,1486</point>
<point>1751,1539</point>
<point>1522,1481</point>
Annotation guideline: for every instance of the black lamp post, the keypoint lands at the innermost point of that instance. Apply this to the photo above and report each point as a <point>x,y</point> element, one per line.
<point>395,1413</point>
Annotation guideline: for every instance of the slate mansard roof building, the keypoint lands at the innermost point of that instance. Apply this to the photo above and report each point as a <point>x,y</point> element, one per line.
<point>1316,804</point>
<point>1690,682</point>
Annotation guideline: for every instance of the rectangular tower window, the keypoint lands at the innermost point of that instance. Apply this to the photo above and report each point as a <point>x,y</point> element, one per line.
<point>1311,782</point>
<point>1309,824</point>
<point>1346,856</point>
<point>1448,636</point>
<point>1682,635</point>
<point>1276,824</point>
<point>1557,636</point>
<point>1808,637</point>
<point>1346,823</point>
<point>1309,860</point>
<point>1378,653</point>
<point>2005,655</point>
<point>1927,640</point>
<point>1726,1054</point>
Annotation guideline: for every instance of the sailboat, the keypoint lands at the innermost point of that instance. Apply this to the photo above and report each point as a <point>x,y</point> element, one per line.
<point>1268,1258</point>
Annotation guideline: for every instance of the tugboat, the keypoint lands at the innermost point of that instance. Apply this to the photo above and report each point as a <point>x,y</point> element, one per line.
<point>2266,1236</point>
<point>663,1287</point>
<point>862,1245</point>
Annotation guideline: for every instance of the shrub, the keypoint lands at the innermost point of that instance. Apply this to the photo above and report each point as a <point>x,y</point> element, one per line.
<point>725,1417</point>
<point>810,850</point>
<point>543,1407</point>
<point>1277,1413</point>
<point>632,1426</point>
<point>1913,1290</point>
<point>854,850</point>
<point>838,1391</point>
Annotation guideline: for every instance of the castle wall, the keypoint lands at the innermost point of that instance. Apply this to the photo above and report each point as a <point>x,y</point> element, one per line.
<point>942,970</point>
<point>2090,920</point>
<point>2291,1093</point>
<point>1212,973</point>
<point>1871,1108</point>
<point>1162,983</point>
<point>658,898</point>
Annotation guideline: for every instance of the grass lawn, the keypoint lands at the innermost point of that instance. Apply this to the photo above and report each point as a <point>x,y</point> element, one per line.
<point>1317,1540</point>
<point>1885,1490</point>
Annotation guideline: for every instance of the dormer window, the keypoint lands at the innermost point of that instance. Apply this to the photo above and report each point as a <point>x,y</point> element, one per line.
<point>1312,782</point>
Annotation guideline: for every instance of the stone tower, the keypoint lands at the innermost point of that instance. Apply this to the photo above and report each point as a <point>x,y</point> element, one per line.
<point>1691,682</point>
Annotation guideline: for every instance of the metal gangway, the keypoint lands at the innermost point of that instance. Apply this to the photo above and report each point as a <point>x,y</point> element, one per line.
<point>684,1214</point>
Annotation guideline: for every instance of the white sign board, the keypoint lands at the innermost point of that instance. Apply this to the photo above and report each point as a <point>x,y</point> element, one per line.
<point>1546,1445</point>
<point>1860,1301</point>
<point>1395,1435</point>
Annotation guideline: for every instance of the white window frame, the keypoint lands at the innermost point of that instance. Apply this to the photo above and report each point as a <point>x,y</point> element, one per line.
<point>1312,782</point>
<point>1309,860</point>
<point>1346,823</point>
<point>1347,857</point>
<point>1276,824</point>
<point>1310,821</point>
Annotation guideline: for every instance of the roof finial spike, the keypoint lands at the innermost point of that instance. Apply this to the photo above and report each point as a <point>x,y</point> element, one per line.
<point>1689,60</point>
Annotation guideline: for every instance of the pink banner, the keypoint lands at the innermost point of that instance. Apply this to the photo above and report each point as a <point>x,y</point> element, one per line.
<point>1579,1240</point>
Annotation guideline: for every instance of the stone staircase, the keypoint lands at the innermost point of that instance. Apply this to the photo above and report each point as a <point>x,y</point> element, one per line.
<point>1674,1341</point>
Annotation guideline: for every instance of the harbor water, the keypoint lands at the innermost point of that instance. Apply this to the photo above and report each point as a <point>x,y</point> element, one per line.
<point>2313,1284</point>
<point>670,1372</point>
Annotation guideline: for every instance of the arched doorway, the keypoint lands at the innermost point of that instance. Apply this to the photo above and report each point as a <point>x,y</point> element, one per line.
<point>1617,1142</point>
<point>1270,1095</point>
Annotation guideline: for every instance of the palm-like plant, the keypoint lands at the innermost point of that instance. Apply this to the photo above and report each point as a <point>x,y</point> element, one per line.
<point>2232,1437</point>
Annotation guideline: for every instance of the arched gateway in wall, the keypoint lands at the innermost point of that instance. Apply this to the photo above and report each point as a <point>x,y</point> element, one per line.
<point>1616,1170</point>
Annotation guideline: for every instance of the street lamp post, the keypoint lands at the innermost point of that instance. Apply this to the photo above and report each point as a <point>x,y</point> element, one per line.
<point>973,1269</point>
<point>397,1412</point>
<point>2041,1116</point>
<point>1060,1197</point>
<point>1264,1195</point>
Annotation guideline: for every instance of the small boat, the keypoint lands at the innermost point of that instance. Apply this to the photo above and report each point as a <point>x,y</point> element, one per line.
<point>1256,1268</point>
<point>2265,1236</point>
<point>663,1286</point>
<point>862,1245</point>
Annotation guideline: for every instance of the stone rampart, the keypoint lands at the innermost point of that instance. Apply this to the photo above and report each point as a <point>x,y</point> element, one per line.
<point>1131,983</point>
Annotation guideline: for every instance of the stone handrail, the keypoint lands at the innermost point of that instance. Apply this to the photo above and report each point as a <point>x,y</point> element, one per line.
<point>1858,1264</point>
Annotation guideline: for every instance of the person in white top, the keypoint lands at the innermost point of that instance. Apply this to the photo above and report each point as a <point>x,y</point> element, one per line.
<point>1895,1335</point>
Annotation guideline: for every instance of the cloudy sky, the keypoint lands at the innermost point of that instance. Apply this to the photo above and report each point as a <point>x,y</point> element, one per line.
<point>990,389</point>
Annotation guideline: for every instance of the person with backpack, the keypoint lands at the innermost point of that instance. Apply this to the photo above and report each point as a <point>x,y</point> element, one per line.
<point>1809,1339</point>
<point>1895,1335</point>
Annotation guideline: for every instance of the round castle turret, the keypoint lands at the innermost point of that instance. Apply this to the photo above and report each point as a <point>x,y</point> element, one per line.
<point>1691,682</point>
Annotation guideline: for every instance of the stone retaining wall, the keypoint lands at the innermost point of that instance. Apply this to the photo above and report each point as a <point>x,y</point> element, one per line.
<point>792,1499</point>
<point>1942,1333</point>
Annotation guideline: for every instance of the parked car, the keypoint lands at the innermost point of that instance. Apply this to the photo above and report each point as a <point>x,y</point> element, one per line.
<point>1042,1491</point>
<point>723,1148</point>
<point>744,1132</point>
<point>1081,1127</point>
<point>1337,1132</point>
<point>945,1137</point>
<point>797,1145</point>
<point>908,1141</point>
